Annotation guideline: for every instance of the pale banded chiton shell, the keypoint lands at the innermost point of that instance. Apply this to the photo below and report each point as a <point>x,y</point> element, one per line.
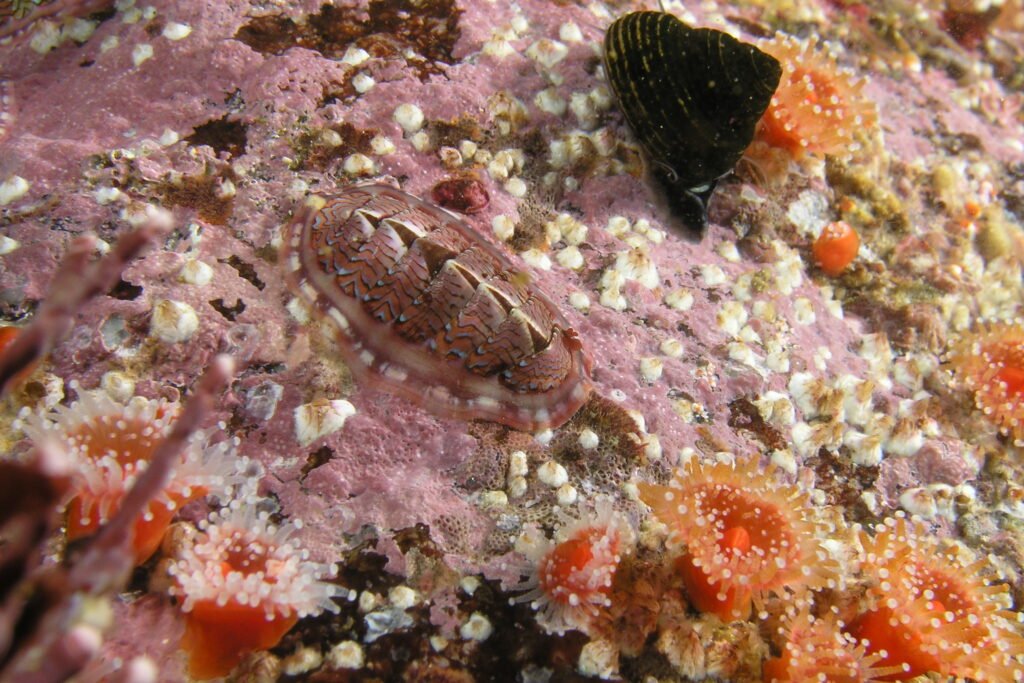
<point>427,309</point>
<point>693,97</point>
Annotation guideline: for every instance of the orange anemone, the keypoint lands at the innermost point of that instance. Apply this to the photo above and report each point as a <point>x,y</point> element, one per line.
<point>817,649</point>
<point>571,576</point>
<point>244,584</point>
<point>818,107</point>
<point>990,362</point>
<point>930,609</point>
<point>742,534</point>
<point>110,445</point>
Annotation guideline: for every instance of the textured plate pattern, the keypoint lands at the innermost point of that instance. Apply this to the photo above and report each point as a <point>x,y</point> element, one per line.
<point>692,96</point>
<point>429,310</point>
<point>6,107</point>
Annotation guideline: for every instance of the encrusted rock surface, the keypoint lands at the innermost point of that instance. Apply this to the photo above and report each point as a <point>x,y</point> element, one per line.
<point>231,124</point>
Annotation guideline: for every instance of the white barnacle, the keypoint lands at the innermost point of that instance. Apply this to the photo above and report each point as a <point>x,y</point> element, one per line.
<point>320,418</point>
<point>570,258</point>
<point>359,165</point>
<point>477,628</point>
<point>141,53</point>
<point>588,440</point>
<point>176,31</point>
<point>504,227</point>
<point>547,53</point>
<point>679,299</point>
<point>552,474</point>
<point>548,101</point>
<point>12,189</point>
<point>651,368</point>
<point>355,56</point>
<point>637,264</point>
<point>173,322</point>
<point>363,82</point>
<point>536,258</point>
<point>348,654</point>
<point>731,317</point>
<point>409,117</point>
<point>196,272</point>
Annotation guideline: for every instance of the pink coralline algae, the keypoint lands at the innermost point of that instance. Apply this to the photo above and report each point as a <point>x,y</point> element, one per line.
<point>226,115</point>
<point>428,309</point>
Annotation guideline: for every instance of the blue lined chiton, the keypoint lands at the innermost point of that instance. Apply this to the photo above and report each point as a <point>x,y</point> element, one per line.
<point>427,309</point>
<point>693,97</point>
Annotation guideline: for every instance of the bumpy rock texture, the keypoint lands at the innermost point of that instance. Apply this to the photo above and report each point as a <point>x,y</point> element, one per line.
<point>229,114</point>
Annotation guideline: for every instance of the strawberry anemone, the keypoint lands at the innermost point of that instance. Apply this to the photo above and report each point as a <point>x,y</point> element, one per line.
<point>990,363</point>
<point>741,536</point>
<point>110,444</point>
<point>931,609</point>
<point>817,649</point>
<point>570,577</point>
<point>817,109</point>
<point>244,582</point>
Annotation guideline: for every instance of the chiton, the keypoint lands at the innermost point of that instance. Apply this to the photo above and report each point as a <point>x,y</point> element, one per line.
<point>427,309</point>
<point>6,107</point>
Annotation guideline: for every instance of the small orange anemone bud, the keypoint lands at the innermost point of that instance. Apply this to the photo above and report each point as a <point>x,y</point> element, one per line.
<point>744,536</point>
<point>572,575</point>
<point>931,609</point>
<point>836,247</point>
<point>817,649</point>
<point>111,444</point>
<point>990,362</point>
<point>244,584</point>
<point>818,107</point>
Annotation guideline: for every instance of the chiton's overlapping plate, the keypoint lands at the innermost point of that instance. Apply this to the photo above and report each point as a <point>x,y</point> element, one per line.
<point>427,309</point>
<point>693,97</point>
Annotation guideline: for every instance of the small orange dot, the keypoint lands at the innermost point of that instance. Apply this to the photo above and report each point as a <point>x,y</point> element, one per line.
<point>836,247</point>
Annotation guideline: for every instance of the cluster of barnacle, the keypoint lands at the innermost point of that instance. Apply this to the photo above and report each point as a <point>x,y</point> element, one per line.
<point>46,23</point>
<point>526,480</point>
